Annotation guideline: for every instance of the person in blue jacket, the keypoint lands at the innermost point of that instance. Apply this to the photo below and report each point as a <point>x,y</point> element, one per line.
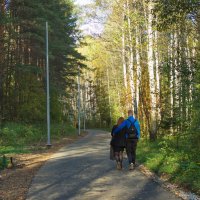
<point>131,143</point>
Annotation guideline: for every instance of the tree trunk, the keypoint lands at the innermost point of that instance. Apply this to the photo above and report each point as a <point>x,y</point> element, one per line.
<point>138,67</point>
<point>170,55</point>
<point>131,54</point>
<point>157,77</point>
<point>2,58</point>
<point>176,78</point>
<point>123,52</point>
<point>153,120</point>
<point>137,58</point>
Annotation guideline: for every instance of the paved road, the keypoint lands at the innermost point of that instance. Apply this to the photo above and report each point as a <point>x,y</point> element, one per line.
<point>83,171</point>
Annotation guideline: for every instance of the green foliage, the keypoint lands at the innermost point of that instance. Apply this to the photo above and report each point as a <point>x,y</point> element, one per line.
<point>19,134</point>
<point>16,137</point>
<point>115,109</point>
<point>163,157</point>
<point>173,12</point>
<point>93,123</point>
<point>22,78</point>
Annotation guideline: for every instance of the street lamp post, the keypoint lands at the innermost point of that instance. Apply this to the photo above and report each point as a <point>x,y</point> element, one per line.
<point>79,102</point>
<point>84,112</point>
<point>47,78</point>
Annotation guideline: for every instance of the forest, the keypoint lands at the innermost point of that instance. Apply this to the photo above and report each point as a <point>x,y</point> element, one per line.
<point>146,58</point>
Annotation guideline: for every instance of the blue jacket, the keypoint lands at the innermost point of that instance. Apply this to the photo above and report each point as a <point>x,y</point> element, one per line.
<point>126,123</point>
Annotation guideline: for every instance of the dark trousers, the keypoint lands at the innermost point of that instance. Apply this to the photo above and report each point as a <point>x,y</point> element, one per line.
<point>131,146</point>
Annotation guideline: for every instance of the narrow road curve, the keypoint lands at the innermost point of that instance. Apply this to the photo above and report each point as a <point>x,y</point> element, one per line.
<point>83,171</point>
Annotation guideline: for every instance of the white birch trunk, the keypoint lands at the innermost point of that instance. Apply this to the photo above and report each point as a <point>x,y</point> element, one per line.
<point>170,54</point>
<point>138,67</point>
<point>176,74</point>
<point>189,97</point>
<point>89,94</point>
<point>131,54</point>
<point>157,76</point>
<point>123,53</point>
<point>179,79</point>
<point>137,58</point>
<point>153,125</point>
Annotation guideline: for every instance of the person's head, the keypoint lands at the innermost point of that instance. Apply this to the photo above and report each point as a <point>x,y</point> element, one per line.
<point>130,113</point>
<point>120,120</point>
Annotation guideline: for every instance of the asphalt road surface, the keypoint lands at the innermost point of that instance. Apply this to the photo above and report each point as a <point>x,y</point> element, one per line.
<point>83,171</point>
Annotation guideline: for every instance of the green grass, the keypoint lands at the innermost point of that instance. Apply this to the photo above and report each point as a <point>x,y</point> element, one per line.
<point>18,137</point>
<point>180,164</point>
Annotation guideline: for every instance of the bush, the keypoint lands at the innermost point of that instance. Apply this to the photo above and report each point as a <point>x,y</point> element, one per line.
<point>163,157</point>
<point>16,136</point>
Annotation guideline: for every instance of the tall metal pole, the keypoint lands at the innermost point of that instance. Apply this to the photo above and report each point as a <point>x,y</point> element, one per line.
<point>84,92</point>
<point>79,104</point>
<point>47,77</point>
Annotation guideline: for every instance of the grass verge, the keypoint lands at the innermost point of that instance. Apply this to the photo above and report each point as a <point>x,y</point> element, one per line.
<point>17,138</point>
<point>180,165</point>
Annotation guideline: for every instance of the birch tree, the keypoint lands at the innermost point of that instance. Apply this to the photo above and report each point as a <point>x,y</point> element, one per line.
<point>123,49</point>
<point>152,82</point>
<point>152,55</point>
<point>130,39</point>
